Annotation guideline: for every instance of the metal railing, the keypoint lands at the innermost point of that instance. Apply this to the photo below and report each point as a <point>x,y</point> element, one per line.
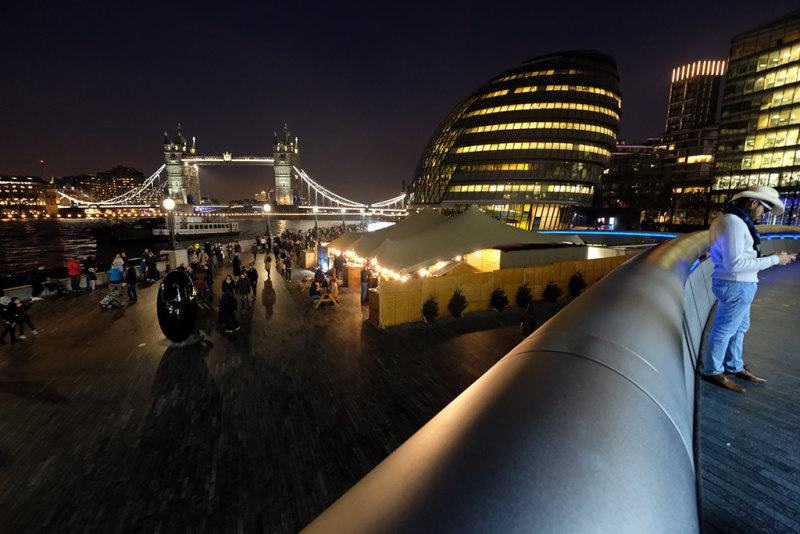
<point>586,426</point>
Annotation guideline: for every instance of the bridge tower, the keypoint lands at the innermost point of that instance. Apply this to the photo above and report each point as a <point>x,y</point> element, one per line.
<point>287,182</point>
<point>182,178</point>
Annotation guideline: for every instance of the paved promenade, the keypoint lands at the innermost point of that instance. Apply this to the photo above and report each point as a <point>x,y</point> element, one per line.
<point>750,443</point>
<point>107,427</point>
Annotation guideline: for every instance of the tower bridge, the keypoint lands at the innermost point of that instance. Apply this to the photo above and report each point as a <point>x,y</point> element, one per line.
<point>293,186</point>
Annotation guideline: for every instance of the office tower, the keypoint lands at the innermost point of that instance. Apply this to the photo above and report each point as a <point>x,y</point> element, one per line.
<point>693,95</point>
<point>760,122</point>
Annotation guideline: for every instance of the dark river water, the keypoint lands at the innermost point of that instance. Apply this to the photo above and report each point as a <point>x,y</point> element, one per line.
<point>26,244</point>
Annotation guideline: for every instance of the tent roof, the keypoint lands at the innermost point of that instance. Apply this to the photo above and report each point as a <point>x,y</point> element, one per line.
<point>363,244</point>
<point>427,238</point>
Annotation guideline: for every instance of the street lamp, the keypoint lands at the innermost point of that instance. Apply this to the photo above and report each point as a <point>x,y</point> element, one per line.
<point>267,209</point>
<point>169,205</point>
<point>343,224</point>
<point>316,210</point>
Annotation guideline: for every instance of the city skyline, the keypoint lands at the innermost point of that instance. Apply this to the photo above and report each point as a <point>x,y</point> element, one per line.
<point>88,89</point>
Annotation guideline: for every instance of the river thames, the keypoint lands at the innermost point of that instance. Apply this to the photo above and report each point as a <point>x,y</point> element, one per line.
<point>24,244</point>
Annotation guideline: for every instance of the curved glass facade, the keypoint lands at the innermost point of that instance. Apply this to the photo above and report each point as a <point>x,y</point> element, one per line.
<point>530,145</point>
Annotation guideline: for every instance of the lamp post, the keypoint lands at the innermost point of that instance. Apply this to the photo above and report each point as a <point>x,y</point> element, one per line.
<point>316,210</point>
<point>169,205</point>
<point>267,209</point>
<point>343,223</point>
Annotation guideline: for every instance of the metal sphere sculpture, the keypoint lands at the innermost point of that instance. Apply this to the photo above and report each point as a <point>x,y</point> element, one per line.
<point>176,306</point>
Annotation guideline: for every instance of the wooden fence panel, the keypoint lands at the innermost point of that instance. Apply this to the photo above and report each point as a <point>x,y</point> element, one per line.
<point>442,288</point>
<point>477,289</point>
<point>509,281</point>
<point>401,302</point>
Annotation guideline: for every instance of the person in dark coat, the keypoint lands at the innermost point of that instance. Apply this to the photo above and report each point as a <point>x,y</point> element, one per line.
<point>35,279</point>
<point>90,267</point>
<point>19,311</point>
<point>287,268</point>
<point>130,280</point>
<point>319,276</point>
<point>529,322</point>
<point>243,285</point>
<point>7,316</point>
<point>237,266</point>
<point>313,290</point>
<point>228,285</point>
<point>252,276</point>
<point>227,312</point>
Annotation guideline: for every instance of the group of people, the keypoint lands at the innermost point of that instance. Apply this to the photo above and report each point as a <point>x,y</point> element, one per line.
<point>242,282</point>
<point>322,284</point>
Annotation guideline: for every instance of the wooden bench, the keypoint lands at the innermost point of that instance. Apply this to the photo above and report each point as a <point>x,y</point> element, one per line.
<point>327,297</point>
<point>305,284</point>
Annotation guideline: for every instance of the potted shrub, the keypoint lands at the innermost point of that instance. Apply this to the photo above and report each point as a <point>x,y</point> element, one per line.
<point>524,296</point>
<point>552,292</point>
<point>576,284</point>
<point>430,309</point>
<point>498,300</point>
<point>457,304</point>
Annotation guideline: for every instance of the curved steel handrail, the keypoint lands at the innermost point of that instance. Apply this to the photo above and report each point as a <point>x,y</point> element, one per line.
<point>586,426</point>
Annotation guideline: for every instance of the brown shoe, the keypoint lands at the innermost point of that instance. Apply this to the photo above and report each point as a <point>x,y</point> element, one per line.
<point>747,375</point>
<point>723,381</point>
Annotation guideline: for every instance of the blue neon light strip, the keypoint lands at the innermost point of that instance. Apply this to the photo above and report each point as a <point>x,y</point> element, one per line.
<point>604,232</point>
<point>781,236</point>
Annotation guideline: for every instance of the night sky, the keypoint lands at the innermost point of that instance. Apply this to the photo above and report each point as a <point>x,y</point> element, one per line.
<point>88,86</point>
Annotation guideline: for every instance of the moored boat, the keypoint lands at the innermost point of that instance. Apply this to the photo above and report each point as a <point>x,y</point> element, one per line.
<point>187,227</point>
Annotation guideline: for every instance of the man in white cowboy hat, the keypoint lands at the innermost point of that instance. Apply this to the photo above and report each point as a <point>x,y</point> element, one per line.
<point>736,254</point>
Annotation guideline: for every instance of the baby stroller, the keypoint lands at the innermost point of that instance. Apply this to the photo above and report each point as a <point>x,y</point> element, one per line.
<point>111,300</point>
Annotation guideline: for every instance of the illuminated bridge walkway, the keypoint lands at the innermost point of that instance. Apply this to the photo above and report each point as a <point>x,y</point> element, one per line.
<point>107,428</point>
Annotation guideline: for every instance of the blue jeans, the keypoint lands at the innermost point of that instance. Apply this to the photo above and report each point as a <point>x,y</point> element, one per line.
<point>364,286</point>
<point>724,351</point>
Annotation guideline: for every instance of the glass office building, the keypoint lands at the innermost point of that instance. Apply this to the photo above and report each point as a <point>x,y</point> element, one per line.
<point>529,146</point>
<point>760,122</point>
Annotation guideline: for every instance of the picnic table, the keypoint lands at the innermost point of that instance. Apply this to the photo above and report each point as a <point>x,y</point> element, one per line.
<point>327,297</point>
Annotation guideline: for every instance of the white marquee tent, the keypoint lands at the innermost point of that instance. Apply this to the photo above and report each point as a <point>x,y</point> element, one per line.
<point>425,238</point>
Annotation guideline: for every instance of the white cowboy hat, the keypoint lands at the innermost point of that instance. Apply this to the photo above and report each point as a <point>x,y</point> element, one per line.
<point>765,194</point>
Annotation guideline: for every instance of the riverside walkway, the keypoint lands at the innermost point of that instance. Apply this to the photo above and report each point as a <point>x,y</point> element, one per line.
<point>105,426</point>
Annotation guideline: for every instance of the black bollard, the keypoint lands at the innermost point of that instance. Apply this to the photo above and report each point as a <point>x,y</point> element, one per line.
<point>176,306</point>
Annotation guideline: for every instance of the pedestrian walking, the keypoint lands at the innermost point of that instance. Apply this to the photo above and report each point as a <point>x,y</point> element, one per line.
<point>229,285</point>
<point>200,281</point>
<point>20,315</point>
<point>365,273</point>
<point>227,312</point>
<point>287,268</point>
<point>252,277</point>
<point>130,280</point>
<point>268,265</point>
<point>243,285</point>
